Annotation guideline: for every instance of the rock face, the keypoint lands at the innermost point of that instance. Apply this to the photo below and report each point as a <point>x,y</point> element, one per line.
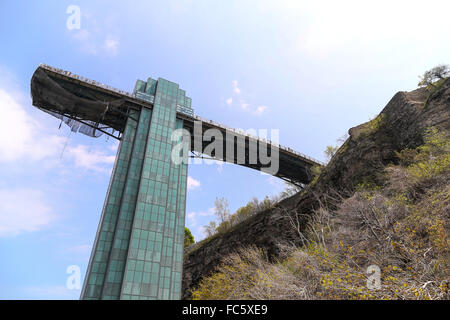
<point>369,148</point>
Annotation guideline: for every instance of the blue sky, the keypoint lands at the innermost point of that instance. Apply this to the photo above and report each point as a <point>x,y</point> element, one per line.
<point>310,70</point>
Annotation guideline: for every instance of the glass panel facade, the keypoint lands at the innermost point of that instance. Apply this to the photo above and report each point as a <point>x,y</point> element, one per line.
<point>95,275</point>
<point>138,249</point>
<point>118,255</point>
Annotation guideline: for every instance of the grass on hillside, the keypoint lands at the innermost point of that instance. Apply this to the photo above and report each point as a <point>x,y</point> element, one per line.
<point>400,227</point>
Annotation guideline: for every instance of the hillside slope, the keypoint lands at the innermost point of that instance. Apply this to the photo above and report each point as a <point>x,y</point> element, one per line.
<point>359,165</point>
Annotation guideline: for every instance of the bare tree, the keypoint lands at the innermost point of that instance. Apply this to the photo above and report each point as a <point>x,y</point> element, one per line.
<point>210,228</point>
<point>290,190</point>
<point>330,151</point>
<point>437,73</point>
<point>342,139</point>
<point>221,209</point>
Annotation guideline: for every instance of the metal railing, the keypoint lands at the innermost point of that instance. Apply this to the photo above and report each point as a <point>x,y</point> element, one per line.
<point>83,79</point>
<point>246,134</point>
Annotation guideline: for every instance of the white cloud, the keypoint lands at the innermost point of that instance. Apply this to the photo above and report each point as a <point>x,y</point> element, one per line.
<point>192,216</point>
<point>23,210</point>
<point>19,133</point>
<point>244,105</point>
<point>235,87</point>
<point>94,39</point>
<point>260,110</point>
<point>111,45</point>
<point>351,23</point>
<point>23,138</point>
<point>92,160</point>
<point>85,41</point>
<point>192,183</point>
<point>95,43</point>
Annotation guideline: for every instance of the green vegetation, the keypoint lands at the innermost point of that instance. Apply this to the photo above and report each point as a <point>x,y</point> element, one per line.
<point>330,151</point>
<point>433,79</point>
<point>188,237</point>
<point>316,171</point>
<point>401,226</point>
<point>437,73</point>
<point>429,160</point>
<point>228,221</point>
<point>434,88</point>
<point>372,126</point>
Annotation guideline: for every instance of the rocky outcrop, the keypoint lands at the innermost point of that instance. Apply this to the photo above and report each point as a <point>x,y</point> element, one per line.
<point>361,159</point>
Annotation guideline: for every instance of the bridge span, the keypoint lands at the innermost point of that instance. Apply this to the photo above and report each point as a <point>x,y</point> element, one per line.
<point>105,110</point>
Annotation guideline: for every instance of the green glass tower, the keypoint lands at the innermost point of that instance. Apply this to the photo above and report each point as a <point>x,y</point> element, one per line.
<point>138,249</point>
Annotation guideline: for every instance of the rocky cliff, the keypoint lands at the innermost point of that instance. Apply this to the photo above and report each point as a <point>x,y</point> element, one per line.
<point>361,159</point>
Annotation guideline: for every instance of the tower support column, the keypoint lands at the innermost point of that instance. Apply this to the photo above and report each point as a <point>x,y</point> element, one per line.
<point>138,249</point>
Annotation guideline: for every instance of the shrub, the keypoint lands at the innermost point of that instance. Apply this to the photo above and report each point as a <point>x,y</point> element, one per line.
<point>402,227</point>
<point>188,237</point>
<point>248,275</point>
